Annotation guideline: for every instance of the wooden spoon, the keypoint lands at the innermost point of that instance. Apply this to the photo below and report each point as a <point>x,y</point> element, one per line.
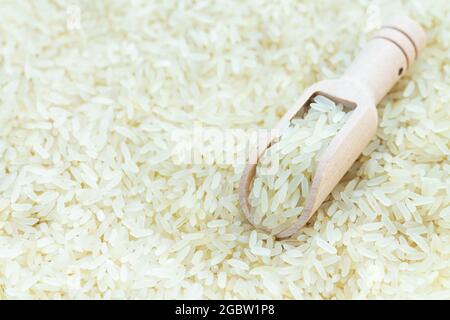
<point>380,64</point>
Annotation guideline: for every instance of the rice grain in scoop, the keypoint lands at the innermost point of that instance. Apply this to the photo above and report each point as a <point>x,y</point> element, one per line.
<point>285,171</point>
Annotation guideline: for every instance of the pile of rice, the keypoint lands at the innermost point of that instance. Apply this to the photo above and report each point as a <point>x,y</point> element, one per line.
<point>285,171</point>
<point>93,206</point>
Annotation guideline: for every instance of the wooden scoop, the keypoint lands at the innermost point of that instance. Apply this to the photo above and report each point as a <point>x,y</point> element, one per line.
<point>380,64</point>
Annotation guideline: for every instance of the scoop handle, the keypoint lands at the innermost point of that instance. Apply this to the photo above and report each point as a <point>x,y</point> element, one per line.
<point>387,56</point>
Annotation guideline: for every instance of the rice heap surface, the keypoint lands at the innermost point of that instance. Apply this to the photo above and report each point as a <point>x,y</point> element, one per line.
<point>285,171</point>
<point>92,205</point>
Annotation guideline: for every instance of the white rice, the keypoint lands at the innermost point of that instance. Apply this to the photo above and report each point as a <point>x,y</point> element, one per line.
<point>285,171</point>
<point>93,206</point>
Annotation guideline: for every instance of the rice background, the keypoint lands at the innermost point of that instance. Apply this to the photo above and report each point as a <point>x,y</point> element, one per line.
<point>92,206</point>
